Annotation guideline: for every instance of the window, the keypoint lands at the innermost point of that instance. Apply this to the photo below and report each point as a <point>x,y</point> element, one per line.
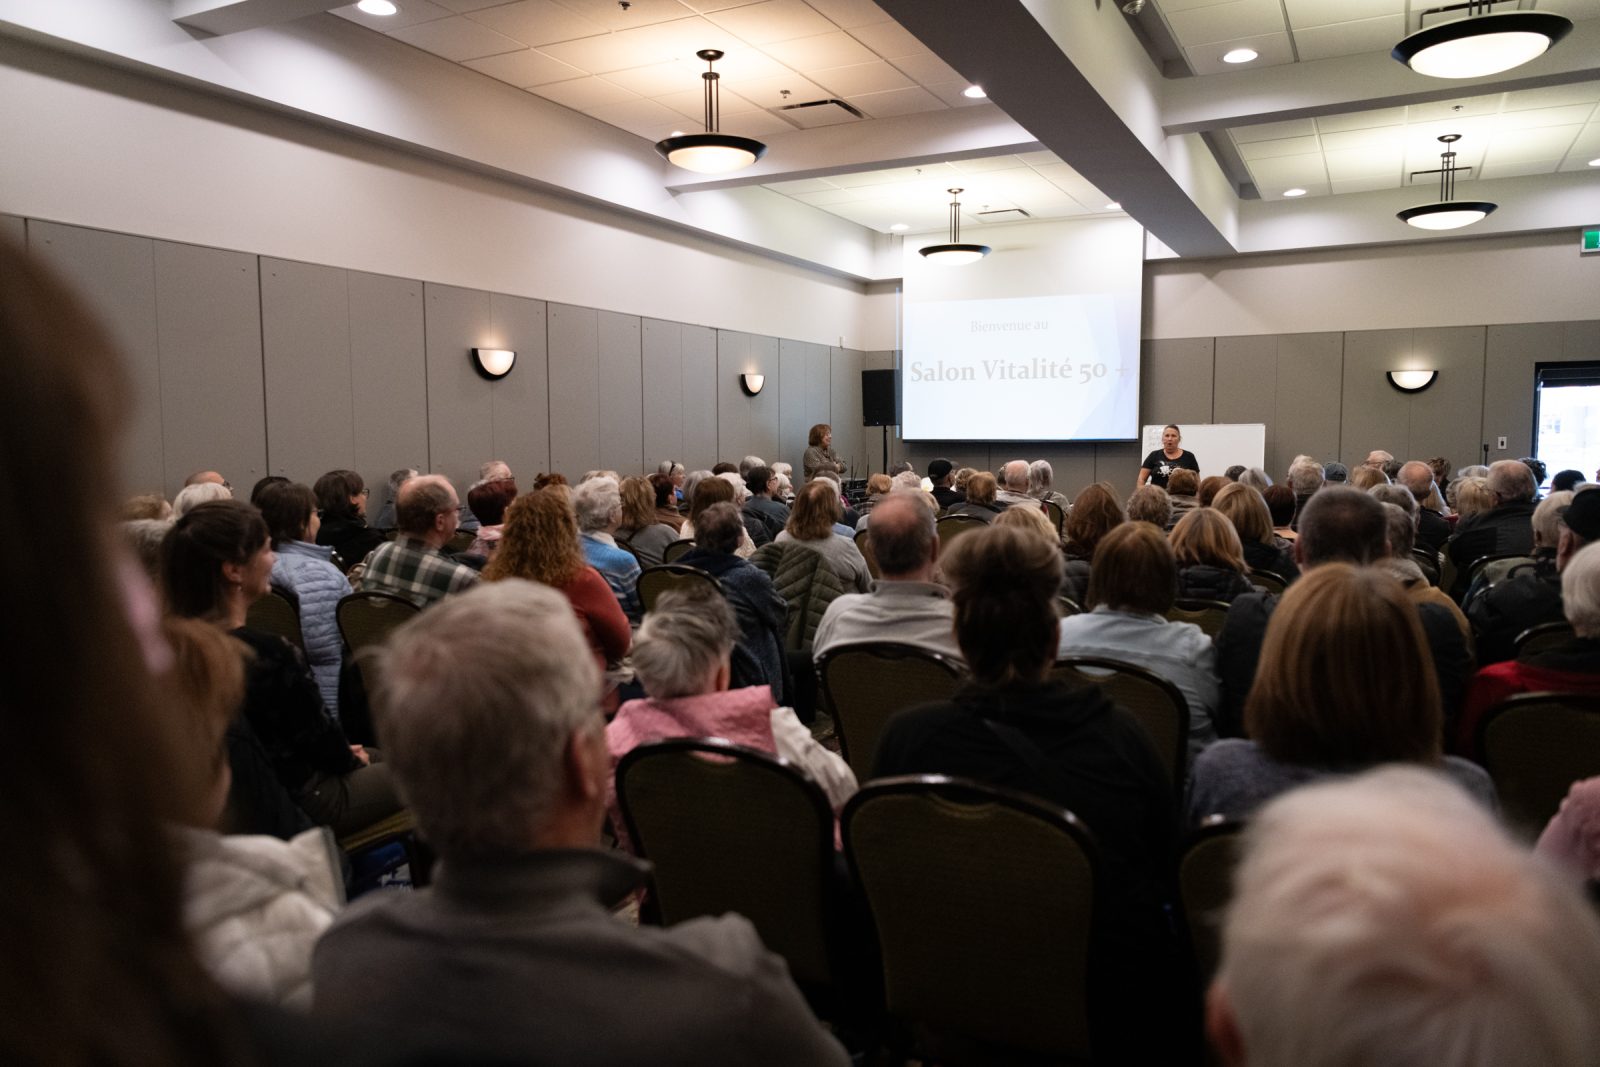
<point>1566,416</point>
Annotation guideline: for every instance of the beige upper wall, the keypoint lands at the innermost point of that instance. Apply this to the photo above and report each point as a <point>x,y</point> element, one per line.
<point>1460,282</point>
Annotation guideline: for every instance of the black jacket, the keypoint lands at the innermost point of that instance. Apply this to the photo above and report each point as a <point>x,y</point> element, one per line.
<point>351,539</point>
<point>1503,611</point>
<point>1202,581</point>
<point>1264,557</point>
<point>1433,530</point>
<point>1505,530</point>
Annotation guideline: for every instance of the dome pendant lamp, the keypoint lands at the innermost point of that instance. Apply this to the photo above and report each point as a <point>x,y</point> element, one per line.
<point>1480,44</point>
<point>1448,213</point>
<point>711,152</point>
<point>953,253</point>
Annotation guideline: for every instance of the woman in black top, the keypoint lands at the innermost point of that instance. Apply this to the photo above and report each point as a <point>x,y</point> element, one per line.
<point>1158,465</point>
<point>342,502</point>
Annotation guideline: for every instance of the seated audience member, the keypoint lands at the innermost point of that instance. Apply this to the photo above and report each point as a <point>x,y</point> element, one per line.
<point>1339,524</point>
<point>1125,618</point>
<point>646,536</point>
<point>1571,667</point>
<point>1505,528</point>
<point>1306,479</point>
<point>748,464</point>
<point>878,486</point>
<point>785,473</point>
<point>962,476</point>
<point>1256,478</point>
<point>303,569</point>
<point>675,473</point>
<point>1376,460</point>
<point>215,563</point>
<point>397,478</point>
<point>908,481</point>
<point>1562,523</point>
<point>710,491</point>
<point>812,522</point>
<point>1365,477</point>
<point>262,483</point>
<point>1316,710</point>
<point>540,543</point>
<point>1389,919</point>
<point>1441,472</point>
<point>192,496</point>
<point>1209,488</point>
<point>1335,473</point>
<point>513,955</point>
<point>979,502</point>
<point>1094,514</point>
<point>147,506</point>
<point>762,482</point>
<point>1040,477</point>
<point>1263,549</point>
<point>488,502</point>
<point>1470,495</point>
<point>1572,836</point>
<point>254,905</point>
<point>1183,493</point>
<point>598,505</point>
<point>666,502</point>
<point>1402,567</point>
<point>143,538</point>
<point>208,478</point>
<point>1014,727</point>
<point>1537,468</point>
<point>684,660</point>
<point>905,604</point>
<point>1149,503</point>
<point>1032,519</point>
<point>1210,559</point>
<point>845,524</point>
<point>1433,530</point>
<point>763,615</point>
<point>1281,506</point>
<point>342,501</point>
<point>1561,481</point>
<point>542,480</point>
<point>414,565</point>
<point>1233,472</point>
<point>1014,491</point>
<point>942,473</point>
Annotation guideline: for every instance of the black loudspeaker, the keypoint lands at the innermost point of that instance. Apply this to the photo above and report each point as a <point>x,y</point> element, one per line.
<point>877,398</point>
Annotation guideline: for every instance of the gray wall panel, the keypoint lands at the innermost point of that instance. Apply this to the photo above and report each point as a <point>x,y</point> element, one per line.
<point>208,326</point>
<point>1447,419</point>
<point>1308,413</point>
<point>1512,352</point>
<point>1072,466</point>
<point>1375,415</point>
<point>661,370</point>
<point>733,413</point>
<point>852,441</point>
<point>520,402</point>
<point>14,228</point>
<point>305,342</point>
<point>1175,381</point>
<point>1118,464</point>
<point>763,435</point>
<point>574,389</point>
<point>389,366</point>
<point>460,413</point>
<point>701,417</point>
<point>793,417</point>
<point>115,275</point>
<point>1246,388</point>
<point>817,406</point>
<point>621,394</point>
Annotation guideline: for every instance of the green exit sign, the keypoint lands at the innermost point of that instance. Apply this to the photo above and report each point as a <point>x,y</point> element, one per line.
<point>1591,241</point>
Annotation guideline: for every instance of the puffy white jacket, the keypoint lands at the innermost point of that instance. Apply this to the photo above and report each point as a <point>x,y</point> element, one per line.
<point>255,906</point>
<point>305,569</point>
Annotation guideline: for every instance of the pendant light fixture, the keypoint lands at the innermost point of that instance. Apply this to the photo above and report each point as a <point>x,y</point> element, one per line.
<point>711,152</point>
<point>1481,43</point>
<point>953,253</point>
<point>1448,213</point>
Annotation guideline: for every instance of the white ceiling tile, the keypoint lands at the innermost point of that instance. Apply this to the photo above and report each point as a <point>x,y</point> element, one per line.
<point>413,12</point>
<point>1273,131</point>
<point>1571,115</point>
<point>613,16</point>
<point>1226,22</point>
<point>536,22</point>
<point>585,94</point>
<point>1362,120</point>
<point>955,94</point>
<point>874,77</point>
<point>1587,142</point>
<point>1304,13</point>
<point>457,38</point>
<point>753,124</point>
<point>658,79</point>
<point>801,185</point>
<point>836,49</point>
<point>1281,172</point>
<point>1072,183</point>
<point>644,117</point>
<point>1273,50</point>
<point>774,20</point>
<point>849,13</point>
<point>898,102</point>
<point>1518,168</point>
<point>828,197</point>
<point>928,69</point>
<point>524,68</point>
<point>985,163</point>
<point>692,103</point>
<point>889,39</point>
<point>1391,139</point>
<point>1544,142</point>
<point>1361,185</point>
<point>646,46</point>
<point>769,92</point>
<point>1448,109</point>
<point>1349,38</point>
<point>1169,6</point>
<point>1288,146</point>
<point>1041,158</point>
<point>1357,163</point>
<point>1312,189</point>
<point>1553,96</point>
<point>704,6</point>
<point>1580,161</point>
<point>460,7</point>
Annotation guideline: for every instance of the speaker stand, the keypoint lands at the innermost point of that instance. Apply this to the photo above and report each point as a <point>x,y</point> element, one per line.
<point>885,467</point>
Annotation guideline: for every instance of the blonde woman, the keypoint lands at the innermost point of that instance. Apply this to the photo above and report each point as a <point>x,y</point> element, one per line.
<point>811,523</point>
<point>1264,550</point>
<point>646,534</point>
<point>1210,558</point>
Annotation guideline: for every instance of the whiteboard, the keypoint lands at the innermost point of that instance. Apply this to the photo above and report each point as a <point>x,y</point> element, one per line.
<point>1217,445</point>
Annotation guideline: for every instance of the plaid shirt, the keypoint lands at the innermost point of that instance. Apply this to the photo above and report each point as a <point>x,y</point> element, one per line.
<point>408,568</point>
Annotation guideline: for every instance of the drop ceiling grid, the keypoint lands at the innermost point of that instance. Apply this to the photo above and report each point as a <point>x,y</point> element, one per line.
<point>636,68</point>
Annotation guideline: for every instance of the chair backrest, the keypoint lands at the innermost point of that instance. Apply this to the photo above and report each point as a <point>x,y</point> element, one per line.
<point>675,549</point>
<point>984,900</point>
<point>1058,518</point>
<point>1209,615</point>
<point>1486,572</point>
<point>653,581</point>
<point>1428,562</point>
<point>864,685</point>
<point>1535,745</point>
<point>368,618</point>
<point>1155,703</point>
<point>864,544</point>
<point>1205,885</point>
<point>731,829</point>
<point>1544,636</point>
<point>952,526</point>
<point>1267,581</point>
<point>1065,606</point>
<point>460,541</point>
<point>274,613</point>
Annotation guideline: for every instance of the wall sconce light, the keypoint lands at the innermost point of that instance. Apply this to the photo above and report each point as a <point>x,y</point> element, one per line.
<point>752,383</point>
<point>493,363</point>
<point>1412,381</point>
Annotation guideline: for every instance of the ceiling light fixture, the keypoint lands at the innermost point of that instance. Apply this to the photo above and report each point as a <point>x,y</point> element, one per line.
<point>899,227</point>
<point>1594,162</point>
<point>953,253</point>
<point>1113,206</point>
<point>711,152</point>
<point>974,92</point>
<point>377,7</point>
<point>1240,55</point>
<point>1480,43</point>
<point>1448,213</point>
<point>1296,191</point>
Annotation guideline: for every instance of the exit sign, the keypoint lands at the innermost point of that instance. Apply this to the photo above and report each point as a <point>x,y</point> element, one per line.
<point>1591,241</point>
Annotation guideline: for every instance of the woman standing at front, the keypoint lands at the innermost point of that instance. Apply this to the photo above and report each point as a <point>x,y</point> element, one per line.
<point>1158,465</point>
<point>820,458</point>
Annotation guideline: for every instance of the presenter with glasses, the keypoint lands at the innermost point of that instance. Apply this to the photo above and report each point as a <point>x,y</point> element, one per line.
<point>1171,456</point>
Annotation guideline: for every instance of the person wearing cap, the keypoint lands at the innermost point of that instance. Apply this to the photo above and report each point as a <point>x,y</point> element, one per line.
<point>942,473</point>
<point>1562,524</point>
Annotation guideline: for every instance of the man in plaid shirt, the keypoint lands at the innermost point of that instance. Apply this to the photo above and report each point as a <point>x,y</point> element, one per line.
<point>412,565</point>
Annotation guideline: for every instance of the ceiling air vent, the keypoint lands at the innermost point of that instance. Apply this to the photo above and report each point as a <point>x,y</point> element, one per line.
<point>1010,214</point>
<point>814,113</point>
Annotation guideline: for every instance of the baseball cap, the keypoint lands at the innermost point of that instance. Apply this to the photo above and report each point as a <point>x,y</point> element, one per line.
<point>1582,516</point>
<point>939,468</point>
